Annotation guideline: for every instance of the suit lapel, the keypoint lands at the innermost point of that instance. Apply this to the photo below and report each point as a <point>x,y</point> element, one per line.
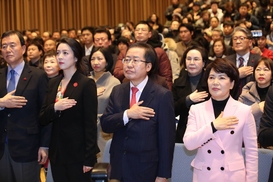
<point>147,93</point>
<point>24,80</point>
<point>125,95</point>
<point>251,60</point>
<point>72,85</point>
<point>209,116</point>
<point>3,82</point>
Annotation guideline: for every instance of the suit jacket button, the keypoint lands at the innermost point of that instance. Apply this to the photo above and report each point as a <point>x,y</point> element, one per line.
<point>222,151</point>
<point>5,129</point>
<point>222,168</point>
<point>232,132</point>
<point>124,152</point>
<point>208,168</point>
<point>9,115</point>
<point>209,151</point>
<point>126,138</point>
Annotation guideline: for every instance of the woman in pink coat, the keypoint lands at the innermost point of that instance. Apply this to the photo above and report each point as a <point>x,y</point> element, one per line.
<point>219,127</point>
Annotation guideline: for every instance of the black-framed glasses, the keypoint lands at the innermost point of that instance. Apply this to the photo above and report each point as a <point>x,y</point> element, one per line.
<point>241,38</point>
<point>133,61</point>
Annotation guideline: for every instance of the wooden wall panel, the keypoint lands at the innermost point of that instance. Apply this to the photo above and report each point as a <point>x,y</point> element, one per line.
<point>57,14</point>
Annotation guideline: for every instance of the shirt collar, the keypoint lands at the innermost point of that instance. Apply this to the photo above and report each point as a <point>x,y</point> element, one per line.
<point>141,85</point>
<point>18,69</point>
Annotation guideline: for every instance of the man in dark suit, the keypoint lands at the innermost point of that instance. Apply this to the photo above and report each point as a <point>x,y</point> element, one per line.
<point>23,142</point>
<point>143,140</point>
<point>243,59</point>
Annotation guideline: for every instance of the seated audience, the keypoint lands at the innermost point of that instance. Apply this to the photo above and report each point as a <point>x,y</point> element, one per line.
<point>35,53</point>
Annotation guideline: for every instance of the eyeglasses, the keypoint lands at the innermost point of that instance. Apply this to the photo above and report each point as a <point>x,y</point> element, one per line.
<point>195,59</point>
<point>241,38</point>
<point>134,61</point>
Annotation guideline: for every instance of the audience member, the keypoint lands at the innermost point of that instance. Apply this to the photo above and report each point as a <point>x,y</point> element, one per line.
<point>143,32</point>
<point>175,7</point>
<point>51,65</point>
<point>49,44</point>
<point>243,58</point>
<point>228,28</point>
<point>261,47</point>
<point>215,10</point>
<point>186,32</point>
<point>46,35</point>
<point>71,106</point>
<point>87,36</point>
<point>101,62</point>
<point>251,21</point>
<point>35,54</point>
<point>219,131</point>
<point>189,88</point>
<point>218,49</point>
<point>154,23</point>
<point>254,92</point>
<point>143,127</point>
<point>72,33</point>
<point>56,36</point>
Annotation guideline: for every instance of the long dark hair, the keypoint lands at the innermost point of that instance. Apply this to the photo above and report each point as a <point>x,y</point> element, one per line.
<point>77,50</point>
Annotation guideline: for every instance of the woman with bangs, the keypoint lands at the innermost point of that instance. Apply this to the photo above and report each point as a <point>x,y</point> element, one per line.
<point>217,128</point>
<point>101,61</point>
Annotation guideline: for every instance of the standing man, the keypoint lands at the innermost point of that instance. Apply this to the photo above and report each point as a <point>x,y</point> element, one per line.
<point>87,36</point>
<point>243,59</point>
<point>23,142</point>
<point>140,113</point>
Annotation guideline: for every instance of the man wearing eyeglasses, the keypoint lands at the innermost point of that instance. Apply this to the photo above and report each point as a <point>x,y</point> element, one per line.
<point>243,58</point>
<point>140,113</point>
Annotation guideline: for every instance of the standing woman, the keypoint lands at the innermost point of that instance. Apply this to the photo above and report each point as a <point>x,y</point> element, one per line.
<point>71,105</point>
<point>189,88</point>
<point>101,63</point>
<point>218,127</point>
<point>254,92</point>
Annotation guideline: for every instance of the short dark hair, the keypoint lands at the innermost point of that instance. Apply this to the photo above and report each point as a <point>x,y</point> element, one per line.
<point>224,46</point>
<point>228,23</point>
<point>89,28</point>
<point>107,55</point>
<point>145,23</point>
<point>221,65</point>
<point>102,30</point>
<point>13,32</point>
<point>49,53</point>
<point>150,55</point>
<point>77,50</point>
<point>188,26</point>
<point>244,30</point>
<point>267,62</point>
<point>38,45</point>
<point>200,49</point>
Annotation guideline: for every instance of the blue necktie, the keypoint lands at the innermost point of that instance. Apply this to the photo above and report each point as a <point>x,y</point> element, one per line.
<point>11,85</point>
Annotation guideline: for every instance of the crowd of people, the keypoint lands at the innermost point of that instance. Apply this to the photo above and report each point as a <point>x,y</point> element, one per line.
<point>208,70</point>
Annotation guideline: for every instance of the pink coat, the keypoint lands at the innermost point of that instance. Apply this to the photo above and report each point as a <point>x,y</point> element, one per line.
<point>219,156</point>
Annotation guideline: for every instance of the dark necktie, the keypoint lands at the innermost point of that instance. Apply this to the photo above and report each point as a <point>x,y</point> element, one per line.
<point>241,64</point>
<point>11,85</point>
<point>133,99</point>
